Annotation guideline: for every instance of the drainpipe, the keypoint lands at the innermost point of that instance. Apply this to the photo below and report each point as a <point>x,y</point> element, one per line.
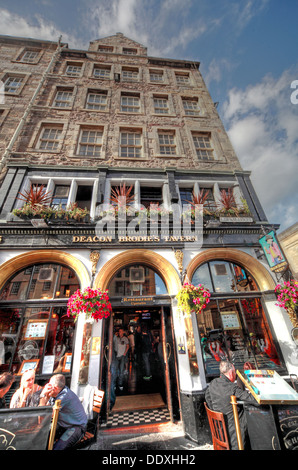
<point>20,126</point>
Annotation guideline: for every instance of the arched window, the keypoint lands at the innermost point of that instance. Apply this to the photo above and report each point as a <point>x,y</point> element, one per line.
<point>35,331</point>
<point>234,326</point>
<point>136,280</point>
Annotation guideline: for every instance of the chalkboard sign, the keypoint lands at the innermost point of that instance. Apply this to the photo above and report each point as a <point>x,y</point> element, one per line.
<point>261,427</point>
<point>288,424</point>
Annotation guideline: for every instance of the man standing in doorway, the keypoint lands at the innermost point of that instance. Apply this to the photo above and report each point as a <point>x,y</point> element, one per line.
<point>121,346</point>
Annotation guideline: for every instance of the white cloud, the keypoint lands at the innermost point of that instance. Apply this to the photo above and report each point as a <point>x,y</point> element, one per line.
<point>262,124</point>
<point>38,28</point>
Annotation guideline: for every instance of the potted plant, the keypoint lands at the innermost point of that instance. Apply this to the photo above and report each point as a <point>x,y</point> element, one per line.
<point>36,203</point>
<point>71,214</point>
<point>93,302</point>
<point>227,203</point>
<point>287,298</point>
<point>200,199</point>
<point>28,212</point>
<point>193,298</point>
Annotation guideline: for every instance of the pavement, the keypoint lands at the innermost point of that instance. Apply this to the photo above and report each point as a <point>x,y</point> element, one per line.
<point>161,438</point>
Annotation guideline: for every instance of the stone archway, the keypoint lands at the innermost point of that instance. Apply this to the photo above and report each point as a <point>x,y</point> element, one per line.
<point>154,260</point>
<point>254,267</point>
<point>19,262</point>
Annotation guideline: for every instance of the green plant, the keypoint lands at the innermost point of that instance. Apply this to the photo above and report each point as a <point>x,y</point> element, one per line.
<point>193,298</point>
<point>93,302</point>
<point>29,211</point>
<point>227,203</point>
<point>36,196</point>
<point>121,196</point>
<point>287,295</point>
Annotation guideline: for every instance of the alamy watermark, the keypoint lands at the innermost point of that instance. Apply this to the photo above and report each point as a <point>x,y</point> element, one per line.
<point>294,94</point>
<point>2,93</point>
<point>153,224</point>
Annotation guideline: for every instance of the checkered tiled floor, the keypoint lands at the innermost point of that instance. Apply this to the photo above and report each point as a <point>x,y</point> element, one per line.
<point>135,418</point>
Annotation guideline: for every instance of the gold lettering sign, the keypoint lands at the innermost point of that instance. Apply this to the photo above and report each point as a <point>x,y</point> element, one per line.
<point>137,238</point>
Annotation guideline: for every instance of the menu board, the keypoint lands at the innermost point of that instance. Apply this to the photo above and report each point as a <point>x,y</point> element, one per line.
<point>36,329</point>
<point>230,320</point>
<point>268,387</point>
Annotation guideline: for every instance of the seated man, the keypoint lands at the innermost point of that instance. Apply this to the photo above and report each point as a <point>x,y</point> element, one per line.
<point>218,398</point>
<point>72,419</point>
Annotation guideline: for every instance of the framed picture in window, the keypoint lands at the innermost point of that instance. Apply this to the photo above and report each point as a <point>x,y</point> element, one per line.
<point>67,362</point>
<point>30,364</point>
<point>36,329</point>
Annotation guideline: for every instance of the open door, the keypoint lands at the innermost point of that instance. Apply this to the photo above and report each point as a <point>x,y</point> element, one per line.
<point>171,365</point>
<point>108,355</point>
<point>166,355</point>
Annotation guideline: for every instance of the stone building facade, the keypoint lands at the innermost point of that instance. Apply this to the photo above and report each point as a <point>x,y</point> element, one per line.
<point>80,123</point>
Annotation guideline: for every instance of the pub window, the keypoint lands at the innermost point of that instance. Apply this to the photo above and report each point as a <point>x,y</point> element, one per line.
<point>151,195</point>
<point>186,195</point>
<point>136,281</point>
<point>233,326</point>
<point>36,332</point>
<point>60,196</point>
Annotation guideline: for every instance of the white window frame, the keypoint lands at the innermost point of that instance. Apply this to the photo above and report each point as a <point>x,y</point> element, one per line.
<point>97,144</point>
<point>194,110</point>
<point>102,103</point>
<point>41,138</point>
<point>105,71</point>
<point>64,96</point>
<point>135,105</point>
<point>135,146</point>
<point>137,183</point>
<point>206,146</point>
<point>77,69</point>
<point>130,74</point>
<point>50,182</point>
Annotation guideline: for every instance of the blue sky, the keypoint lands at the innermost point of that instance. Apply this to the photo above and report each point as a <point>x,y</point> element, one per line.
<point>248,55</point>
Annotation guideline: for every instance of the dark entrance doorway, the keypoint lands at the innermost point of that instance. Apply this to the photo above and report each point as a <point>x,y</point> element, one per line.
<point>147,377</point>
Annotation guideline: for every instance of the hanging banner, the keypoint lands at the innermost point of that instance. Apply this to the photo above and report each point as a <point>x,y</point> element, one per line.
<point>273,252</point>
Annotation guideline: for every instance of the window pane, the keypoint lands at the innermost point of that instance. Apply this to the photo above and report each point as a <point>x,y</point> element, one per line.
<point>10,319</point>
<point>222,276</point>
<point>202,276</point>
<point>43,281</point>
<point>137,280</point>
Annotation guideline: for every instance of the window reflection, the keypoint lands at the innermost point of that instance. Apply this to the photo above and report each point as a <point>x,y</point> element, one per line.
<point>229,331</point>
<point>44,281</point>
<point>137,280</point>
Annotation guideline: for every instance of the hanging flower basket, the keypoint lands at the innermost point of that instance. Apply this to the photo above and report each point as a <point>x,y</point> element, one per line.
<point>193,298</point>
<point>93,302</point>
<point>287,298</point>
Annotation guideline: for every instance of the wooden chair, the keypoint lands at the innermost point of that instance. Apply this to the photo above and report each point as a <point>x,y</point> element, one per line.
<point>218,430</point>
<point>93,423</point>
